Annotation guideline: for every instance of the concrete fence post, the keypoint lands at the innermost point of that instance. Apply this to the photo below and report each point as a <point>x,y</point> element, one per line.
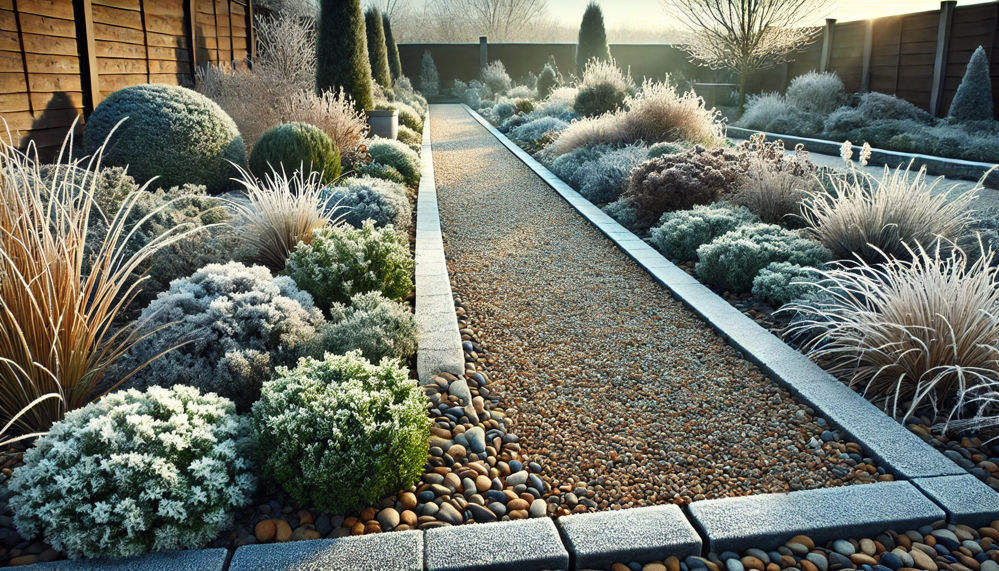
<point>827,44</point>
<point>865,74</point>
<point>483,52</point>
<point>940,59</point>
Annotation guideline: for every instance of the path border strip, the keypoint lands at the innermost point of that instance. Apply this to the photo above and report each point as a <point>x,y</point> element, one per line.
<point>903,453</point>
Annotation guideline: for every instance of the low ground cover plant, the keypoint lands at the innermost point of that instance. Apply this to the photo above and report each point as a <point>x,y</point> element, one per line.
<point>679,234</point>
<point>599,172</point>
<point>782,282</point>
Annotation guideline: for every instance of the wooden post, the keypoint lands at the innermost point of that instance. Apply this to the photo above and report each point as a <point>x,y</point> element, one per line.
<point>940,59</point>
<point>483,52</point>
<point>865,74</point>
<point>83,14</point>
<point>191,31</point>
<point>251,35</point>
<point>827,44</point>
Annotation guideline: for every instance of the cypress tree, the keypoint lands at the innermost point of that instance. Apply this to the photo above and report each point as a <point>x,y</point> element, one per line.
<point>973,100</point>
<point>546,81</point>
<point>342,51</point>
<point>377,54</point>
<point>430,81</point>
<point>592,37</point>
<point>395,64</point>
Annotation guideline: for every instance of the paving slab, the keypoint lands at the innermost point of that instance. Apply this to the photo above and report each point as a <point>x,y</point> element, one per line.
<point>768,520</point>
<point>522,545</point>
<point>397,551</point>
<point>191,560</point>
<point>966,499</point>
<point>598,540</point>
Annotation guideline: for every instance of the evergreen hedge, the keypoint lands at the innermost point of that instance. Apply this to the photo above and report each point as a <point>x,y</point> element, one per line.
<point>342,52</point>
<point>592,37</point>
<point>395,64</point>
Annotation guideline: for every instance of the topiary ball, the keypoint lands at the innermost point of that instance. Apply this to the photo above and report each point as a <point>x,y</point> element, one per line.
<point>398,156</point>
<point>134,472</point>
<point>295,147</point>
<point>171,132</point>
<point>341,432</point>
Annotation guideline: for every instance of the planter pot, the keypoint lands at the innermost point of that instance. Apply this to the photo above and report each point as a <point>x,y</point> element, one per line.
<point>384,123</point>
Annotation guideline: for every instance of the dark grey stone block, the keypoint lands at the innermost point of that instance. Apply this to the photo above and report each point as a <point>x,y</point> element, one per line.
<point>768,520</point>
<point>192,560</point>
<point>524,545</point>
<point>397,551</point>
<point>598,540</point>
<point>966,499</point>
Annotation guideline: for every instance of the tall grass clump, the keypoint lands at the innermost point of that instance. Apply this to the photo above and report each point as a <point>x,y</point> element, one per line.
<point>60,300</point>
<point>281,210</point>
<point>912,333</point>
<point>873,217</point>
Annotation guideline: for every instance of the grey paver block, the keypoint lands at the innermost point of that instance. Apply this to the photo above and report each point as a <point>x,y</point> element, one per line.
<point>524,545</point>
<point>768,520</point>
<point>966,499</point>
<point>398,551</point>
<point>192,560</point>
<point>598,540</point>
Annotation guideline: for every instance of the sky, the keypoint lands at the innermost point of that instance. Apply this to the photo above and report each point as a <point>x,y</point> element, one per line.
<point>652,14</point>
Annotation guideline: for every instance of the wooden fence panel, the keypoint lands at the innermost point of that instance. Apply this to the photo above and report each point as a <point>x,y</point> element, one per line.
<point>848,54</point>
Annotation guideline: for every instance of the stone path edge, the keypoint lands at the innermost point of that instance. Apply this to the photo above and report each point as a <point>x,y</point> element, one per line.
<point>898,449</point>
<point>938,166</point>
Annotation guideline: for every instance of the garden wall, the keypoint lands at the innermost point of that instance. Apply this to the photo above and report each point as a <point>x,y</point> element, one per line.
<point>920,56</point>
<point>59,58</point>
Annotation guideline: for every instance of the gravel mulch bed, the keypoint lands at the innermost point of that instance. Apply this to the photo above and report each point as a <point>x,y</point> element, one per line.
<point>941,546</point>
<point>628,397</point>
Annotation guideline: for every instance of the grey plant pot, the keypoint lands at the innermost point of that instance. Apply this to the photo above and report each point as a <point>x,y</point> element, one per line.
<point>384,123</point>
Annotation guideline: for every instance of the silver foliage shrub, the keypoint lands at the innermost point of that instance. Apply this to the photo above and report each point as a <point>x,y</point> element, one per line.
<point>782,282</point>
<point>600,172</point>
<point>136,472</point>
<point>373,324</point>
<point>681,233</point>
<point>816,92</point>
<point>360,199</point>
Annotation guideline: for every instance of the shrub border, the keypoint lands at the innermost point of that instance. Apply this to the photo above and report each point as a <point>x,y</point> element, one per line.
<point>938,166</point>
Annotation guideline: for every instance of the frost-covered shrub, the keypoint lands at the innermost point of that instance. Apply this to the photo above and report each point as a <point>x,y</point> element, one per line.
<point>663,149</point>
<point>383,172</point>
<point>430,80</point>
<point>535,133</point>
<point>495,77</point>
<point>296,146</point>
<point>816,92</point>
<point>524,105</point>
<point>134,472</point>
<point>546,81</point>
<point>843,121</point>
<point>340,433</point>
<point>600,173</point>
<point>343,261</point>
<point>681,233</point>
<point>622,211</point>
<point>410,138</point>
<point>521,92</point>
<point>733,260</point>
<point>680,181</point>
<point>172,133</point>
<point>973,100</point>
<point>360,199</point>
<point>408,116</point>
<point>373,324</point>
<point>763,109</point>
<point>398,156</point>
<point>781,282</point>
<point>603,89</point>
<point>797,122</point>
<point>503,110</point>
<point>109,186</point>
<point>232,323</point>
<point>874,106</point>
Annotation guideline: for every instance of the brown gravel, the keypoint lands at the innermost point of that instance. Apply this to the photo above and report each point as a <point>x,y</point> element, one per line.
<point>612,384</point>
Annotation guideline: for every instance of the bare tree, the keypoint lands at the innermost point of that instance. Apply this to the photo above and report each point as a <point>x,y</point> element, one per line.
<point>747,35</point>
<point>391,8</point>
<point>501,20</point>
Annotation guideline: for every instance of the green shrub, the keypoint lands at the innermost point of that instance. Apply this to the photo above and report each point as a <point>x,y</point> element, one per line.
<point>360,199</point>
<point>171,132</point>
<point>732,261</point>
<point>398,156</point>
<point>781,282</point>
<point>816,92</point>
<point>546,81</point>
<point>344,261</point>
<point>430,81</point>
<point>680,181</point>
<point>410,138</point>
<point>296,147</point>
<point>384,172</point>
<point>342,52</point>
<point>395,64</point>
<point>135,472</point>
<point>874,106</point>
<point>373,324</point>
<point>681,233</point>
<point>408,116</point>
<point>592,43</point>
<point>235,323</point>
<point>973,100</point>
<point>377,52</point>
<point>663,149</point>
<point>341,432</point>
<point>599,99</point>
<point>524,105</point>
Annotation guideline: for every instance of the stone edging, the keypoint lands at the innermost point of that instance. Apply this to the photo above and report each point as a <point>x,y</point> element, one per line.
<point>895,447</point>
<point>939,166</point>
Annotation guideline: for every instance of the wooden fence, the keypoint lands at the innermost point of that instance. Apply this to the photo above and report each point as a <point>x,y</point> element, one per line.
<point>60,58</point>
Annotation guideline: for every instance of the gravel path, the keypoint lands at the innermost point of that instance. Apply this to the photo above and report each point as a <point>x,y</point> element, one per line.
<point>624,394</point>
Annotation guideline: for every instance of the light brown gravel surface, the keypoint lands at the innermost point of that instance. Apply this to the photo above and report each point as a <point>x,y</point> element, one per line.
<point>623,395</point>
